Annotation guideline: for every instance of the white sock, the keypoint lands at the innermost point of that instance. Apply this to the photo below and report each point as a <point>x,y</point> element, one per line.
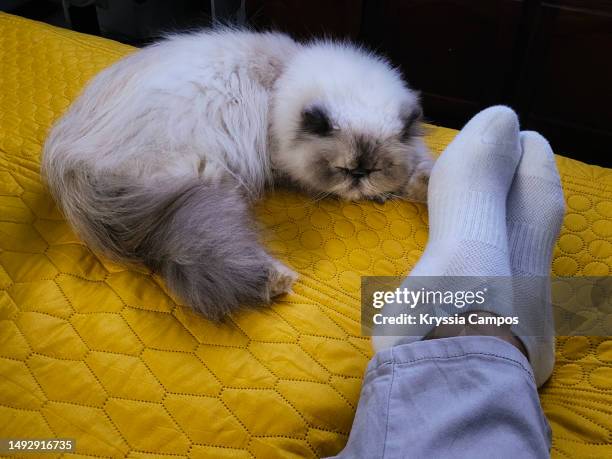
<point>467,195</point>
<point>535,213</point>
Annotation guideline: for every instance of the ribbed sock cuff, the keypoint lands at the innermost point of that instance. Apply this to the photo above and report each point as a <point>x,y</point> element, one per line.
<point>475,216</point>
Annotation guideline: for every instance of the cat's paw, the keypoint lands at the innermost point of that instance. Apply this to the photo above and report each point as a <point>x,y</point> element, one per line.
<point>280,279</point>
<point>380,199</point>
<point>416,189</point>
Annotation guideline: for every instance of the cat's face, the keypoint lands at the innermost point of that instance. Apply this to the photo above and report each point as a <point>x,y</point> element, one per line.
<point>355,161</point>
<point>344,123</point>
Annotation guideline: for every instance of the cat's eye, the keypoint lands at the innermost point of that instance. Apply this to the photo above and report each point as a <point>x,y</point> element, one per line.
<point>316,121</point>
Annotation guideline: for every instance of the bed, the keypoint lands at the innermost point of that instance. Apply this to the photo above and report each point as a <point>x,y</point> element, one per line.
<point>99,353</point>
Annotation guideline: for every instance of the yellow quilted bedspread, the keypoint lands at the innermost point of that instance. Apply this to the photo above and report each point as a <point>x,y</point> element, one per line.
<point>92,351</point>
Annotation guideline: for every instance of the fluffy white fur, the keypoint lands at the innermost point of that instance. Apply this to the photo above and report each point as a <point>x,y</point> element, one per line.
<point>174,109</point>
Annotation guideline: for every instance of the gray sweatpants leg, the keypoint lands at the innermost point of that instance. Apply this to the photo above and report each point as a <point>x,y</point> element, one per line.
<point>463,397</point>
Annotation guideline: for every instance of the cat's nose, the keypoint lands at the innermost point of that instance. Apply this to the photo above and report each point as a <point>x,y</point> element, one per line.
<point>359,172</point>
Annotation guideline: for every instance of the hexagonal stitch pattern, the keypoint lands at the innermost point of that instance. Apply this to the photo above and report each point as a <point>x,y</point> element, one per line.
<point>94,351</point>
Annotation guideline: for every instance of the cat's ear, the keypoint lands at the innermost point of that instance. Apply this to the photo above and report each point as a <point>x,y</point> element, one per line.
<point>411,117</point>
<point>315,120</point>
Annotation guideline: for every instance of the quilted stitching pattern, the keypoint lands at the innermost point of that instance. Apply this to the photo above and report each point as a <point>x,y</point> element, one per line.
<point>93,351</point>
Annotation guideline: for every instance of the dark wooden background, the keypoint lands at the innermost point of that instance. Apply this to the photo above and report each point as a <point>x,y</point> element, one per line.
<point>549,60</point>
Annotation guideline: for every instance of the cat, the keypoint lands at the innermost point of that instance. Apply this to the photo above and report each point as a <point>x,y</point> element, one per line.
<point>160,158</point>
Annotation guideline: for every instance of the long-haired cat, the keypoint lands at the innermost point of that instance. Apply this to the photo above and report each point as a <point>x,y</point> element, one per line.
<point>159,159</point>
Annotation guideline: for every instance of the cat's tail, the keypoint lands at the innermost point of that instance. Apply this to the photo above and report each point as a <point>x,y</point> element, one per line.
<point>198,236</point>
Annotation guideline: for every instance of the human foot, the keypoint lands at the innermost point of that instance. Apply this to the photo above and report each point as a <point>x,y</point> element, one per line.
<point>468,189</point>
<point>534,216</point>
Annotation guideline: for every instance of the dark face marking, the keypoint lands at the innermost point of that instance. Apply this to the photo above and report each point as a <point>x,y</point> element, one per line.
<point>410,119</point>
<point>366,153</point>
<point>316,121</point>
<point>357,172</point>
<point>365,161</point>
